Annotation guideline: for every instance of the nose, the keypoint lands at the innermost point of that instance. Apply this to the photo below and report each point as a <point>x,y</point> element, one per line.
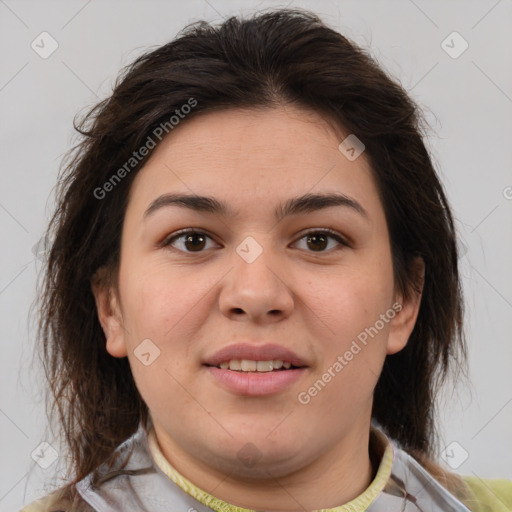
<point>257,289</point>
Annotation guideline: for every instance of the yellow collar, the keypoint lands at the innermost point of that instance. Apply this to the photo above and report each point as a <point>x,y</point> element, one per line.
<point>359,504</point>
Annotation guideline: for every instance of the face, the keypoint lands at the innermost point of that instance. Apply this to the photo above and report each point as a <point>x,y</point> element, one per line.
<point>313,285</point>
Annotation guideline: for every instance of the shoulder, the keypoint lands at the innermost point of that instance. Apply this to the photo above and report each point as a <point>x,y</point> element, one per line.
<point>484,495</point>
<point>477,494</point>
<point>61,500</point>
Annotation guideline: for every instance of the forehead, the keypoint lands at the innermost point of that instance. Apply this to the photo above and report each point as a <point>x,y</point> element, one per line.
<point>283,134</point>
<point>237,155</point>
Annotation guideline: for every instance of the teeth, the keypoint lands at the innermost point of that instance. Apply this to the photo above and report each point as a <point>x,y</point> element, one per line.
<point>247,365</point>
<point>234,364</point>
<point>265,366</point>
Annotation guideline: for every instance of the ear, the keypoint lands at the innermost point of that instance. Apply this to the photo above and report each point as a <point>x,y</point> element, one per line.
<point>109,314</point>
<point>406,311</point>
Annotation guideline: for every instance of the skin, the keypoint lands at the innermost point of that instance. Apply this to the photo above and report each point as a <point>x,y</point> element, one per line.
<point>312,300</point>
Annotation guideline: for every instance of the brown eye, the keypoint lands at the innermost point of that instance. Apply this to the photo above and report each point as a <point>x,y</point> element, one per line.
<point>194,241</point>
<point>191,241</point>
<point>318,241</point>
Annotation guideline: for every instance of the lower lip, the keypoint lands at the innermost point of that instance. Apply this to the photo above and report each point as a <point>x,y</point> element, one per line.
<point>255,383</point>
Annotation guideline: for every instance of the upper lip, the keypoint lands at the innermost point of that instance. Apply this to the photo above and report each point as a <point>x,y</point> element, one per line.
<point>267,352</point>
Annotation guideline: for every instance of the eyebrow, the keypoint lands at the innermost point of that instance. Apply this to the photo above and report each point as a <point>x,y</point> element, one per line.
<point>306,203</point>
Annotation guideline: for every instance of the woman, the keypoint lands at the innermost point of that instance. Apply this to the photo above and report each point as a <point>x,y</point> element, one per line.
<point>252,293</point>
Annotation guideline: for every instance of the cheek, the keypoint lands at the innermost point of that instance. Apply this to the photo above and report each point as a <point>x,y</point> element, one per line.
<point>159,302</point>
<point>158,314</point>
<point>161,388</point>
<point>353,348</point>
<point>347,305</point>
<point>169,309</point>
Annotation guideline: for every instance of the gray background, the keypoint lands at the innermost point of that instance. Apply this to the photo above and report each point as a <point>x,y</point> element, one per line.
<point>468,101</point>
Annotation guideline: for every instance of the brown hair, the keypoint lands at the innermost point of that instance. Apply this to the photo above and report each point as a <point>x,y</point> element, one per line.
<point>271,59</point>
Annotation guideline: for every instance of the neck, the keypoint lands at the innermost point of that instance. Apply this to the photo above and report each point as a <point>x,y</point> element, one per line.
<point>333,479</point>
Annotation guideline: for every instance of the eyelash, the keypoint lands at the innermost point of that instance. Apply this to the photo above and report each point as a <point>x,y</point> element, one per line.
<point>331,234</point>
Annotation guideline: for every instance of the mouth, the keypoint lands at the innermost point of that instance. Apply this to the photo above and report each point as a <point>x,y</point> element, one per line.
<point>253,366</point>
<point>251,369</point>
<point>251,357</point>
<point>253,382</point>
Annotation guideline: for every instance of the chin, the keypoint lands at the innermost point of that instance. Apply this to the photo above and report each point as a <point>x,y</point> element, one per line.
<point>252,463</point>
<point>258,456</point>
